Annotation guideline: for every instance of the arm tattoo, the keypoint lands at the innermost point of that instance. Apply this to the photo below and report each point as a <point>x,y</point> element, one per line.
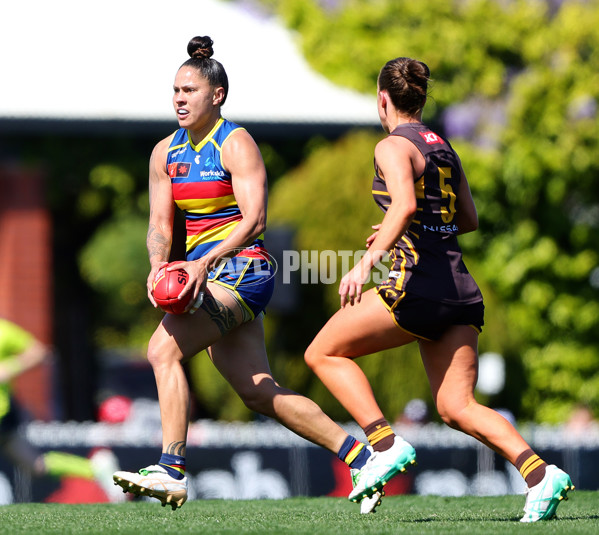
<point>176,448</point>
<point>221,315</point>
<point>158,244</point>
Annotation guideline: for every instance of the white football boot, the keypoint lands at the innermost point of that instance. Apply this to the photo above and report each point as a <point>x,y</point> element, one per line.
<point>380,467</point>
<point>154,481</point>
<point>542,499</point>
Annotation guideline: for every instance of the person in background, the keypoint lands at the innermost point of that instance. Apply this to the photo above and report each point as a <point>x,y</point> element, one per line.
<point>20,351</point>
<point>430,298</point>
<point>212,169</point>
<point>582,420</point>
<point>414,413</point>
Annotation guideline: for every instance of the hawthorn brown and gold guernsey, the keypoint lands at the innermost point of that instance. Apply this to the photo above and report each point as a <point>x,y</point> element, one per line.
<point>427,260</point>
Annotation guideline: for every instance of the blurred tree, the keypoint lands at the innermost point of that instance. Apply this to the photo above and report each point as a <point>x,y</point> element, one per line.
<point>113,262</point>
<point>544,264</point>
<point>128,320</point>
<point>515,87</point>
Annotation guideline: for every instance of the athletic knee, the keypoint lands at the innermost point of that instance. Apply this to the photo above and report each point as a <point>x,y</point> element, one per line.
<point>456,416</point>
<point>258,398</point>
<point>449,419</point>
<point>312,357</point>
<point>159,355</point>
<point>153,355</point>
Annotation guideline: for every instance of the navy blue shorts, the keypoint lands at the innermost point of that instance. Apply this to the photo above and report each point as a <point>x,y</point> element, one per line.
<point>425,318</point>
<point>251,279</point>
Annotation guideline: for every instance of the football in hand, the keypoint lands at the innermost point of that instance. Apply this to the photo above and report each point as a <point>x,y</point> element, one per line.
<point>167,287</point>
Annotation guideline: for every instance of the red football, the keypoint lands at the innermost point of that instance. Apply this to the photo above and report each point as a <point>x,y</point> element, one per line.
<point>167,287</point>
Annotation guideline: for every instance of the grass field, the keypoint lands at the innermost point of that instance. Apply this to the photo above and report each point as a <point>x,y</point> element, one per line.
<point>310,516</point>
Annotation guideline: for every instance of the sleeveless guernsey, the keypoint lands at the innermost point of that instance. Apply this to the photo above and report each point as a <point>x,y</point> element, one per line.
<point>427,260</point>
<point>202,188</point>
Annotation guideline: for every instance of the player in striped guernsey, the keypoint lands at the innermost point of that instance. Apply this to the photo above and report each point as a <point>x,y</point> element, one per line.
<point>212,170</point>
<point>203,189</point>
<point>429,298</point>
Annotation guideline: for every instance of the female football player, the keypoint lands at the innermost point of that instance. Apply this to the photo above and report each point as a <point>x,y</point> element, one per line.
<point>212,169</point>
<point>429,298</point>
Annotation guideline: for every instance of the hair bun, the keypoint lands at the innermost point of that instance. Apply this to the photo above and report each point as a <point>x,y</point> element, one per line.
<point>200,47</point>
<point>406,80</point>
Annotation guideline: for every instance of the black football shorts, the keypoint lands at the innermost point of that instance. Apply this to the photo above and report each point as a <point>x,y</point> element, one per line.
<point>425,318</point>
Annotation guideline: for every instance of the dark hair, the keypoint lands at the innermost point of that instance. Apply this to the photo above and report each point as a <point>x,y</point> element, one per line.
<point>200,52</point>
<point>406,81</point>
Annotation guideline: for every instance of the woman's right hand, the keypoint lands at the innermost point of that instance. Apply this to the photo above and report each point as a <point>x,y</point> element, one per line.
<point>350,287</point>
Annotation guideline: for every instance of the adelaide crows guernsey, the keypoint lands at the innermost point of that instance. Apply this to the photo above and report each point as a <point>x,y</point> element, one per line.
<point>202,188</point>
<point>427,260</point>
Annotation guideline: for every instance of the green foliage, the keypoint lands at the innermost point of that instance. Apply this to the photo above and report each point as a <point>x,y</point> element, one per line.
<point>109,187</point>
<point>543,263</point>
<point>352,41</point>
<point>527,77</point>
<point>562,372</point>
<point>113,262</point>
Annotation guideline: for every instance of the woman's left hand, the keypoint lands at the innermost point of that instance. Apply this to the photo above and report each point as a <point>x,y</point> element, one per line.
<point>373,236</point>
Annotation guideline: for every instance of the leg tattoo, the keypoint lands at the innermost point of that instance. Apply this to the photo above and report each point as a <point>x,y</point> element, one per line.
<point>176,448</point>
<point>221,315</point>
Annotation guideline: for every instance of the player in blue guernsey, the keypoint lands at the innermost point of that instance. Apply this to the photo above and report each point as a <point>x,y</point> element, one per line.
<point>430,298</point>
<point>203,189</point>
<point>212,170</point>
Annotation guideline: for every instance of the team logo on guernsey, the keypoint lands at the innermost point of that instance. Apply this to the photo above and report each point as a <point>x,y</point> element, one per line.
<point>430,138</point>
<point>176,170</point>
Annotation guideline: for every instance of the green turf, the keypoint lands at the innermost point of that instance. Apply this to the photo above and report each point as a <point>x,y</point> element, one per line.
<point>310,516</point>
